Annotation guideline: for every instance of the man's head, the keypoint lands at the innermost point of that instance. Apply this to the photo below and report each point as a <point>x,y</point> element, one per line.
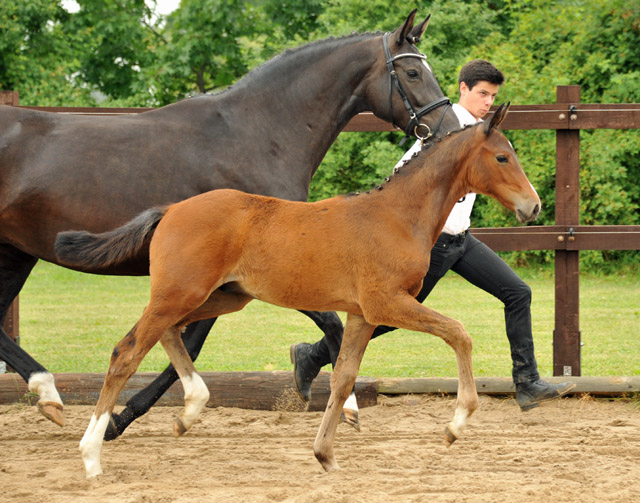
<point>479,82</point>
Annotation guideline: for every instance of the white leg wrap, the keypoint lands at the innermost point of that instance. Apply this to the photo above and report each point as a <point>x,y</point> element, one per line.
<point>196,396</point>
<point>91,444</point>
<point>43,384</point>
<point>351,403</point>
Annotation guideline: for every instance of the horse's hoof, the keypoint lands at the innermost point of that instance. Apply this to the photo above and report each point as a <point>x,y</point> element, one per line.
<point>52,411</point>
<point>350,417</point>
<point>178,428</point>
<point>112,432</point>
<point>449,437</point>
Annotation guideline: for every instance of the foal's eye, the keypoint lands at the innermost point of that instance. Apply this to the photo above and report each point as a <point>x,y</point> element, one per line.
<point>502,159</point>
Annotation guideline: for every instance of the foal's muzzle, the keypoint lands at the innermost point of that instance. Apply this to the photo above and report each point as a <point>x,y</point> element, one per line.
<point>528,216</point>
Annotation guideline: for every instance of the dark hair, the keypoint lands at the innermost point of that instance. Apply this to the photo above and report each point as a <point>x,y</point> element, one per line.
<point>477,70</point>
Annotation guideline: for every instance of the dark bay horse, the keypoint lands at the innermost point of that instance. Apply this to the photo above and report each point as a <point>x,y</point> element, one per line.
<point>365,255</point>
<point>266,134</point>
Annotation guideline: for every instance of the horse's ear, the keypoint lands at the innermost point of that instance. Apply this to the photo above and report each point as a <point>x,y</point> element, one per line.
<point>497,117</point>
<point>416,33</point>
<point>405,29</point>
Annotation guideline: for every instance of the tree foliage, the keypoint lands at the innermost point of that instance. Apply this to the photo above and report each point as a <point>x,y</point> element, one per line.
<point>37,56</point>
<point>118,52</point>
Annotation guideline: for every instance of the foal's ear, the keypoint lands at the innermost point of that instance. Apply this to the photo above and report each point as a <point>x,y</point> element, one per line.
<point>405,29</point>
<point>497,118</point>
<point>416,33</point>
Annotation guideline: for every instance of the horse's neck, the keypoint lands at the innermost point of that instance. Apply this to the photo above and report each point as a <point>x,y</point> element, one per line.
<point>311,91</point>
<point>433,182</point>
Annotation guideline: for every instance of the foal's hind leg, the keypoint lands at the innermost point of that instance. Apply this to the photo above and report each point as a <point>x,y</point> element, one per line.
<point>196,393</point>
<point>125,359</point>
<point>139,404</point>
<point>356,337</point>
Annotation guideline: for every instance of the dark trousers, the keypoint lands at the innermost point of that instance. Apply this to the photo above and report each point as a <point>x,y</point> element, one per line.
<point>478,264</point>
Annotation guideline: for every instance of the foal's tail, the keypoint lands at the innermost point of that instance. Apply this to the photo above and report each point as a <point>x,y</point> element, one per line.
<point>83,249</point>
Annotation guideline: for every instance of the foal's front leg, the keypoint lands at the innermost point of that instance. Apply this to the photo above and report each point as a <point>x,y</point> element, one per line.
<point>356,337</point>
<point>411,315</point>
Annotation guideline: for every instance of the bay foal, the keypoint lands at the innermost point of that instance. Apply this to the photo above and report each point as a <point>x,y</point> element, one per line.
<point>362,254</point>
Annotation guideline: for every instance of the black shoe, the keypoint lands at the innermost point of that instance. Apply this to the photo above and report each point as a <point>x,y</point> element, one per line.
<point>304,369</point>
<point>530,394</point>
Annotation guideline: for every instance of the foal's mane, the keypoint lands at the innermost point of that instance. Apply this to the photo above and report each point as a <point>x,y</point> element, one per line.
<point>433,148</point>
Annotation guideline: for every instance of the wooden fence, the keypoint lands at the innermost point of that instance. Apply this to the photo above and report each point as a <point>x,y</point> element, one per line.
<point>567,237</point>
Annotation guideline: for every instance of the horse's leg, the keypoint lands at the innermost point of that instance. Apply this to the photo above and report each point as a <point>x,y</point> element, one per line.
<point>411,315</point>
<point>15,267</point>
<point>139,404</point>
<point>125,359</point>
<point>355,340</point>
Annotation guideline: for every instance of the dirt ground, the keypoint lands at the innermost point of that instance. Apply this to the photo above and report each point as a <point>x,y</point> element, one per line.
<point>574,450</point>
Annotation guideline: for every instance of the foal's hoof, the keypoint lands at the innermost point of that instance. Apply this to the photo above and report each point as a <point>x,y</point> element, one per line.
<point>52,411</point>
<point>350,417</point>
<point>179,428</point>
<point>449,437</point>
<point>328,463</point>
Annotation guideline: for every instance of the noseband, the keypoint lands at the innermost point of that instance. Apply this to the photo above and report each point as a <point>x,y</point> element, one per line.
<point>414,124</point>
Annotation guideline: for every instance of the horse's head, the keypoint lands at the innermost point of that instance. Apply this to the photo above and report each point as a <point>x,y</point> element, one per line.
<point>406,92</point>
<point>496,171</point>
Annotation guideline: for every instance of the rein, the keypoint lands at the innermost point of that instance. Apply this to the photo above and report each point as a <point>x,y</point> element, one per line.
<point>414,123</point>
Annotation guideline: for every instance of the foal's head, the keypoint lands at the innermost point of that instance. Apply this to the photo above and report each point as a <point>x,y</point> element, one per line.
<point>495,170</point>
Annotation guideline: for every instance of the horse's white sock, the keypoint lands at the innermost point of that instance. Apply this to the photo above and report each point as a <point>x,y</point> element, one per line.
<point>43,384</point>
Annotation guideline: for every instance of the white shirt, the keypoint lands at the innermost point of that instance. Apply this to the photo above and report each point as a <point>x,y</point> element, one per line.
<point>459,219</point>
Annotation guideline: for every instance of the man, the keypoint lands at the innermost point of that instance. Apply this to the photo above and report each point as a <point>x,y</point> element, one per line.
<point>457,250</point>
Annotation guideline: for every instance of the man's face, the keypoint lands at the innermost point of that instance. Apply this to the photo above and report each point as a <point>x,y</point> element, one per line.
<point>479,99</point>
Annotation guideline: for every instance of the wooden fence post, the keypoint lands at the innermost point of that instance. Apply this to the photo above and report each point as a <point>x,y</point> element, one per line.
<point>9,98</point>
<point>566,336</point>
<point>11,324</point>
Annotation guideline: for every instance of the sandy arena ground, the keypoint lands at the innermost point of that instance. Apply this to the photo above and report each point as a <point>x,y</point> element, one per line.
<point>574,450</point>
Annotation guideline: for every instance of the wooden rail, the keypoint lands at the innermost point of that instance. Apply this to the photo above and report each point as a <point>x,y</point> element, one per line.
<point>275,390</point>
<point>567,237</point>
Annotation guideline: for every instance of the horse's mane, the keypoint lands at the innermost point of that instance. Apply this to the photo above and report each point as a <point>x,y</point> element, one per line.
<point>288,55</point>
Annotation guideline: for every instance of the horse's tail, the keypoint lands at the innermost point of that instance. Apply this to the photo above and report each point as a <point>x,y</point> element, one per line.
<point>86,250</point>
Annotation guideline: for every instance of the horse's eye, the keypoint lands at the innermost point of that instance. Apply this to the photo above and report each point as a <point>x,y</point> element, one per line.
<point>502,159</point>
<point>413,74</point>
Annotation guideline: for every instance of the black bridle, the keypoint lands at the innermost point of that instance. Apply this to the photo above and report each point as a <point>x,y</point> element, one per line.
<point>412,127</point>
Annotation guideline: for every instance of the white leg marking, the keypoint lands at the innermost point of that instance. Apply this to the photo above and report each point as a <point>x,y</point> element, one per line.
<point>91,444</point>
<point>351,403</point>
<point>459,421</point>
<point>196,396</point>
<point>43,384</point>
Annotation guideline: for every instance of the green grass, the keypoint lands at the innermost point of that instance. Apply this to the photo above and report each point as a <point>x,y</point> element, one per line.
<point>71,321</point>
